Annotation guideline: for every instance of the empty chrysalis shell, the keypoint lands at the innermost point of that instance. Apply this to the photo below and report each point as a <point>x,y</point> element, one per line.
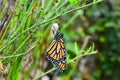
<point>54,30</point>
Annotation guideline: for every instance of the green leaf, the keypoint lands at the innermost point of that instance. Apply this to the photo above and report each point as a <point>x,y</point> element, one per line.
<point>73,1</point>
<point>76,48</point>
<point>93,47</point>
<point>94,0</point>
<point>88,50</point>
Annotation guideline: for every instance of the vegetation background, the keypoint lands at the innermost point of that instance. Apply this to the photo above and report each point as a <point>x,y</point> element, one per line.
<point>89,27</point>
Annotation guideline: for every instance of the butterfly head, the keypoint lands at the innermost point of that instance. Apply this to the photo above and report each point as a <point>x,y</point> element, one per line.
<point>59,36</point>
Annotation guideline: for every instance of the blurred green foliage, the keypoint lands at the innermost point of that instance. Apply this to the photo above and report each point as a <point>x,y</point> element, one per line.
<point>104,22</point>
<point>73,1</point>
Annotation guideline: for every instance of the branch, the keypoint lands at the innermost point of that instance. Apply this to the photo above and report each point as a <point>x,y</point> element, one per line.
<point>54,68</point>
<point>82,7</point>
<point>17,55</point>
<point>61,14</point>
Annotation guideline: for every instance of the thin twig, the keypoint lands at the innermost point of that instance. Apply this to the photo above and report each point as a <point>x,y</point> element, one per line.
<point>54,68</point>
<point>17,55</point>
<point>61,14</point>
<point>82,7</point>
<point>61,5</point>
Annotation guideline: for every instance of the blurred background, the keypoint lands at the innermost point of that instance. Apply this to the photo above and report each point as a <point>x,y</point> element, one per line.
<point>24,37</point>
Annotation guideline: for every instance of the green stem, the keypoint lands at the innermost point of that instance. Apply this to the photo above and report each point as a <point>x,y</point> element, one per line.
<point>17,55</point>
<point>61,14</point>
<point>82,7</point>
<point>54,68</point>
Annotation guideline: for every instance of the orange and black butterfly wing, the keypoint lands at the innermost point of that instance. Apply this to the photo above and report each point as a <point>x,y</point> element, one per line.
<point>62,57</point>
<point>60,51</point>
<point>51,51</point>
<point>61,66</point>
<point>56,52</point>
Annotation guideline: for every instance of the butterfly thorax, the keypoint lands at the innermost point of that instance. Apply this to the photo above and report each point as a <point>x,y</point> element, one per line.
<point>58,37</point>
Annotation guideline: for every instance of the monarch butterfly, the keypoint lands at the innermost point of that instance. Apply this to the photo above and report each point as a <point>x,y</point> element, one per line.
<point>56,52</point>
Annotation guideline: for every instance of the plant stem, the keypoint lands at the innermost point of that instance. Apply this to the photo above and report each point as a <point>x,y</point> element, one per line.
<point>40,75</point>
<point>17,55</point>
<point>36,25</point>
